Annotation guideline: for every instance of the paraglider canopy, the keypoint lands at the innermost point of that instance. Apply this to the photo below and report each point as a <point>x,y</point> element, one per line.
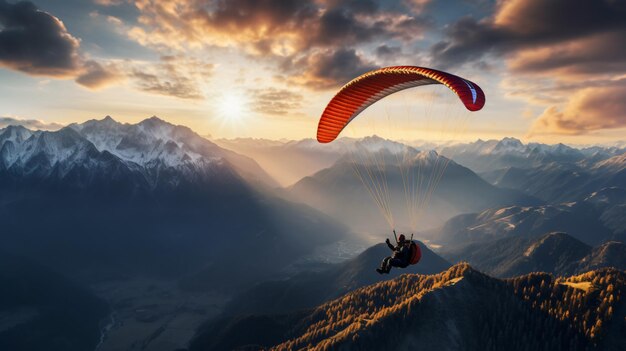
<point>363,91</point>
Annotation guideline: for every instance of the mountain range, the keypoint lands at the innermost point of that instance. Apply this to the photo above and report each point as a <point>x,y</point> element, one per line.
<point>114,200</point>
<point>490,155</point>
<point>553,173</point>
<point>444,187</point>
<point>291,160</point>
<point>108,202</point>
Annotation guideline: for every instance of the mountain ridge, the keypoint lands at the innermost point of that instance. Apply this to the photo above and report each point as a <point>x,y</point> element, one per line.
<point>441,311</point>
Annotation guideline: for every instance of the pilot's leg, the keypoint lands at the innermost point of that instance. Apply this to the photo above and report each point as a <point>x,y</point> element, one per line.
<point>384,266</point>
<point>394,262</point>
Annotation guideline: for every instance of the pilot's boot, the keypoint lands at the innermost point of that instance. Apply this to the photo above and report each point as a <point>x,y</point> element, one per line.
<point>386,265</point>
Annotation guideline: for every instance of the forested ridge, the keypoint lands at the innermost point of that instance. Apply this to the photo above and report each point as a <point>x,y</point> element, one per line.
<point>466,309</point>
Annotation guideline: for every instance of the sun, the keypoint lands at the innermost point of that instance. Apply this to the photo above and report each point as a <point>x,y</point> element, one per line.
<point>233,107</point>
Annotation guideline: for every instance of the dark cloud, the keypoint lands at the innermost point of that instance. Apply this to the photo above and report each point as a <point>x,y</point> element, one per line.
<point>329,68</point>
<point>341,65</point>
<point>527,25</point>
<point>275,101</point>
<point>386,51</point>
<point>595,54</point>
<point>359,7</point>
<point>32,124</point>
<point>35,42</point>
<point>96,76</point>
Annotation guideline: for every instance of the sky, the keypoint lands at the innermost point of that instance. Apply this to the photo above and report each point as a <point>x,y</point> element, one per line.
<point>552,70</point>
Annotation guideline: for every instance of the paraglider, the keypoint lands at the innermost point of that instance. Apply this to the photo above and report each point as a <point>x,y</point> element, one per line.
<point>362,92</point>
<point>405,253</point>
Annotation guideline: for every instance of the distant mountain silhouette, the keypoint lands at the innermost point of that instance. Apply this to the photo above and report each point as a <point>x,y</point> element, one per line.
<point>291,160</point>
<point>457,309</point>
<point>336,189</point>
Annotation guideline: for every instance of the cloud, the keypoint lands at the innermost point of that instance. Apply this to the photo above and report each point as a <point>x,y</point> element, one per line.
<point>588,110</point>
<point>35,42</point>
<point>520,25</point>
<point>175,76</point>
<point>96,76</point>
<point>173,85</point>
<point>328,69</point>
<point>274,101</point>
<point>285,32</point>
<point>562,53</point>
<point>386,51</point>
<point>32,124</point>
<point>280,27</point>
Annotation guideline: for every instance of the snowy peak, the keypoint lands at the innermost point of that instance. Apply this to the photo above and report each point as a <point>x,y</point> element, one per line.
<point>153,147</point>
<point>509,145</point>
<point>45,152</point>
<point>16,134</point>
<point>372,145</point>
<point>151,141</point>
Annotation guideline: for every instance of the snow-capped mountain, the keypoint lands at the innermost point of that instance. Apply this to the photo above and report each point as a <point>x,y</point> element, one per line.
<point>290,161</point>
<point>26,155</point>
<point>109,199</point>
<point>154,143</point>
<point>160,152</point>
<point>487,156</point>
<point>150,141</point>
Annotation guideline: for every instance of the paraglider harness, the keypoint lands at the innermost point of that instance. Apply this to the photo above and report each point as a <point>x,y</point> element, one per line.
<point>415,253</point>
